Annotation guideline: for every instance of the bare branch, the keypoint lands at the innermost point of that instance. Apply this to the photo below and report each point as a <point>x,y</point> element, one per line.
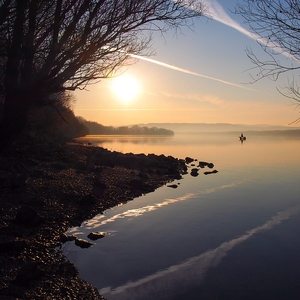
<point>277,26</point>
<point>51,46</point>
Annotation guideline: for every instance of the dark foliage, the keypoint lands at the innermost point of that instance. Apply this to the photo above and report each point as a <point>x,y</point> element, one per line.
<point>47,122</point>
<point>96,128</point>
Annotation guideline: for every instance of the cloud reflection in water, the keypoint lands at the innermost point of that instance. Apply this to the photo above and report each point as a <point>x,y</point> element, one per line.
<point>184,276</point>
<point>137,212</point>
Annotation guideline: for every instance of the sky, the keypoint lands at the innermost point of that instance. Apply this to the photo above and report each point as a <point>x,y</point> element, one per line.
<point>196,76</point>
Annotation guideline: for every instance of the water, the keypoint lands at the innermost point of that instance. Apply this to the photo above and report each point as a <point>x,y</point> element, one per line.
<point>230,235</point>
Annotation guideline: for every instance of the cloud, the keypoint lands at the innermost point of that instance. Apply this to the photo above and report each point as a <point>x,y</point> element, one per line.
<point>189,274</point>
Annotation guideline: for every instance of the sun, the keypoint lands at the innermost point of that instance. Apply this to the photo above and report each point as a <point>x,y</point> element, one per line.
<point>125,87</point>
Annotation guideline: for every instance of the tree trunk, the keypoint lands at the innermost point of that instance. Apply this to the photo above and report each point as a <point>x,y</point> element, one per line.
<point>14,116</point>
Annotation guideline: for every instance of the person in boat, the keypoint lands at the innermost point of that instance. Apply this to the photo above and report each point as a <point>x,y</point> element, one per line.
<point>242,137</point>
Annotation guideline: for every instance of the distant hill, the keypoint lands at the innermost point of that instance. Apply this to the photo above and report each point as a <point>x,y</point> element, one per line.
<point>276,133</point>
<point>217,127</point>
<point>95,128</point>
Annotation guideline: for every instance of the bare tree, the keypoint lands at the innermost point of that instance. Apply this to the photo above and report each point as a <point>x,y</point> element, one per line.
<point>276,26</point>
<point>51,46</point>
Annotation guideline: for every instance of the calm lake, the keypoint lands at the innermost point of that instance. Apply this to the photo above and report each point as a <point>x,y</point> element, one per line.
<point>230,235</point>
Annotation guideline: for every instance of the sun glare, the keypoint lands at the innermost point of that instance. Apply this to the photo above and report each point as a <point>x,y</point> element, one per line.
<point>125,87</point>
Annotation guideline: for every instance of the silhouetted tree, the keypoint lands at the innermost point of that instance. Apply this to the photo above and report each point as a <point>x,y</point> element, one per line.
<point>55,123</point>
<point>51,46</point>
<point>276,24</point>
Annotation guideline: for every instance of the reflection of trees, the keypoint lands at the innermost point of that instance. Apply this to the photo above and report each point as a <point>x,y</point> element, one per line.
<point>96,128</point>
<point>131,140</point>
<point>144,140</point>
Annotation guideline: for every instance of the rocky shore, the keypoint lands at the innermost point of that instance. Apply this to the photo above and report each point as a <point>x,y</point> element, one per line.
<point>46,189</point>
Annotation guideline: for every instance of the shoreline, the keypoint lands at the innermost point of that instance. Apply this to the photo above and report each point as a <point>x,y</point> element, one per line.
<point>47,188</point>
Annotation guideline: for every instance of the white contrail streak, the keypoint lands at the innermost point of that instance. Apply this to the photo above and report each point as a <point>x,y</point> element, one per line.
<point>216,12</point>
<point>188,72</point>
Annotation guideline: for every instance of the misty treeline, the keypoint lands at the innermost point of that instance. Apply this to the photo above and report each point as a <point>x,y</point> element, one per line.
<point>96,128</point>
<point>51,47</point>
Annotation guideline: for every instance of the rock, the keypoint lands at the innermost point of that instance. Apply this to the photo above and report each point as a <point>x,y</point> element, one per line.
<point>96,235</point>
<point>202,164</point>
<point>143,175</point>
<point>68,269</point>
<point>100,185</point>
<point>67,238</point>
<point>212,172</point>
<point>28,216</point>
<point>174,186</point>
<point>83,243</point>
<point>18,181</point>
<point>11,243</point>
<point>194,172</point>
<point>136,183</point>
<point>59,166</point>
<point>88,200</point>
<point>188,160</point>
<point>5,179</point>
<point>30,271</point>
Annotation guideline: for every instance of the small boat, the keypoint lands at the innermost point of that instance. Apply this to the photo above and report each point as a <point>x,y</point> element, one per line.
<point>242,138</point>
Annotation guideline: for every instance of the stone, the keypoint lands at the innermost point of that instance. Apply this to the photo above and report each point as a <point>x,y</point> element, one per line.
<point>96,235</point>
<point>18,181</point>
<point>68,268</point>
<point>83,243</point>
<point>5,179</point>
<point>174,186</point>
<point>188,160</point>
<point>11,243</point>
<point>100,185</point>
<point>202,164</point>
<point>30,271</point>
<point>136,183</point>
<point>28,216</point>
<point>67,238</point>
<point>88,200</point>
<point>194,172</point>
<point>211,172</point>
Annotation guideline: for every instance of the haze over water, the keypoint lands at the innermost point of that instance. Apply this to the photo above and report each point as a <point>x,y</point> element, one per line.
<point>229,235</point>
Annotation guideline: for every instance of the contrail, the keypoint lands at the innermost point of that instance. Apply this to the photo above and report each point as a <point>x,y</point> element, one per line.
<point>188,72</point>
<point>216,12</point>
